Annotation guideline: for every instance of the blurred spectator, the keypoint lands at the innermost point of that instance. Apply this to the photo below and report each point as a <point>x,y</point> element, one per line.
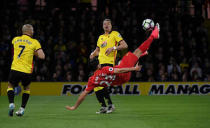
<point>195,76</point>
<point>185,74</point>
<point>38,78</point>
<point>196,71</point>
<point>68,77</point>
<point>207,77</point>
<point>174,77</point>
<point>163,78</point>
<point>60,46</point>
<point>184,64</point>
<point>68,34</point>
<point>150,76</point>
<point>198,6</point>
<point>138,76</point>
<point>173,66</point>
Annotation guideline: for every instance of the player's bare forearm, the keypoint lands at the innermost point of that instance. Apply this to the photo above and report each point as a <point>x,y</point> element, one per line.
<point>79,101</point>
<point>95,53</point>
<point>124,70</point>
<point>122,45</point>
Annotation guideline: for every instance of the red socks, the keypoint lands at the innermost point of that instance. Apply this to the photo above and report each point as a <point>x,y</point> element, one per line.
<point>146,44</point>
<point>154,35</point>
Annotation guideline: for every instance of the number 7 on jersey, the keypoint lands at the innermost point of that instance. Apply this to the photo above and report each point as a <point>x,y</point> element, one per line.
<point>23,47</point>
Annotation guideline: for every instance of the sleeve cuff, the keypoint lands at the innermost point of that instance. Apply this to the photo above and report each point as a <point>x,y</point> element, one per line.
<point>38,49</point>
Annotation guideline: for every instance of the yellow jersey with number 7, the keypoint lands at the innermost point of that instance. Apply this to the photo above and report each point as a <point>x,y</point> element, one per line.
<point>24,48</point>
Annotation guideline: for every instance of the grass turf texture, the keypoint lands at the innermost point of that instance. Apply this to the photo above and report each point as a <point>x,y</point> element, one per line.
<point>131,112</point>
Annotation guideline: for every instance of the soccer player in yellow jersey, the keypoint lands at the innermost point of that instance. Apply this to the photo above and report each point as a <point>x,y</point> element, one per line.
<point>25,47</point>
<point>106,50</point>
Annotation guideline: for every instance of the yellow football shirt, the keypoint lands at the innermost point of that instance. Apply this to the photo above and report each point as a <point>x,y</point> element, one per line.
<point>24,48</point>
<point>107,41</point>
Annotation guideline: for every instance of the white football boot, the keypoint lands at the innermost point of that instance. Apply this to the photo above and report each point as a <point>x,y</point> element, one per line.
<point>20,112</point>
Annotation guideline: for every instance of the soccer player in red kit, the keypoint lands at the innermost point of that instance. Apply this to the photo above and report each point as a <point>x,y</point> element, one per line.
<point>119,74</point>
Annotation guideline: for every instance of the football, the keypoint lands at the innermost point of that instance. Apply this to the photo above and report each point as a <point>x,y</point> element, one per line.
<point>148,24</point>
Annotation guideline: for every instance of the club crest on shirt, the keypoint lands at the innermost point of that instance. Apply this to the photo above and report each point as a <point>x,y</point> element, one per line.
<point>104,44</point>
<point>119,36</point>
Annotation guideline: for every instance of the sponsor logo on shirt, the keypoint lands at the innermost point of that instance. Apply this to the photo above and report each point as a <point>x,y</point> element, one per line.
<point>119,36</point>
<point>104,44</point>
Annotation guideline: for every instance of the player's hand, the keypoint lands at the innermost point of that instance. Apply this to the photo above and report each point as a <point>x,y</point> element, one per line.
<point>138,67</point>
<point>70,108</point>
<point>91,56</point>
<point>109,50</point>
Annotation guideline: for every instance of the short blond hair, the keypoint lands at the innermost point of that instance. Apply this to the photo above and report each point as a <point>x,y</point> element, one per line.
<point>27,28</point>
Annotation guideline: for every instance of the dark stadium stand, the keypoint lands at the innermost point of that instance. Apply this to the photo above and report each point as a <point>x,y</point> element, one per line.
<point>68,33</point>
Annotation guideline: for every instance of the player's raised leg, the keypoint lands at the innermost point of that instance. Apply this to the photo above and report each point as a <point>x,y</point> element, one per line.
<point>146,44</point>
<point>130,59</point>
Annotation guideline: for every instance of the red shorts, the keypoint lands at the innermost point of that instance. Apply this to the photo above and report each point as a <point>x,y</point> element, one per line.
<point>129,60</point>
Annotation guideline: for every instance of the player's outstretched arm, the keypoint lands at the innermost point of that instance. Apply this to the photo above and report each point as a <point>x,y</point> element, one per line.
<point>95,53</point>
<point>124,70</point>
<point>79,101</point>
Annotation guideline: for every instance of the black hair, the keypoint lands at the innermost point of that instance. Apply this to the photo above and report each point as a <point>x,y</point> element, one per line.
<point>107,19</point>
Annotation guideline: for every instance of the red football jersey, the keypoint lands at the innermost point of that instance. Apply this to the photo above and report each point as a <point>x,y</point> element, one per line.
<point>106,77</point>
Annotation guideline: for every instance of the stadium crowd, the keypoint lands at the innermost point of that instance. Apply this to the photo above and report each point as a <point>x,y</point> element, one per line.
<point>68,35</point>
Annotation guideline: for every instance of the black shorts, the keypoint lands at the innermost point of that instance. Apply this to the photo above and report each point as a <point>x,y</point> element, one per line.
<point>104,65</point>
<point>15,77</point>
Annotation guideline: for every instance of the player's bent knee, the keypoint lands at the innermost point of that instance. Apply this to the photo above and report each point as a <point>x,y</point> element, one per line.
<point>137,52</point>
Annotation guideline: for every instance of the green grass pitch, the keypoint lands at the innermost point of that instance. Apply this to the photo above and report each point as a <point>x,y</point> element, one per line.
<point>131,112</point>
